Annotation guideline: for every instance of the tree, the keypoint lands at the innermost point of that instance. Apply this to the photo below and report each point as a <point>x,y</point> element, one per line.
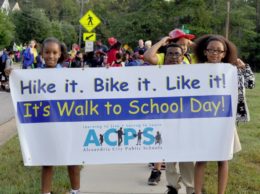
<point>69,34</point>
<point>130,20</point>
<point>243,26</point>
<point>32,24</point>
<point>7,31</point>
<point>254,46</point>
<point>63,31</point>
<point>56,30</point>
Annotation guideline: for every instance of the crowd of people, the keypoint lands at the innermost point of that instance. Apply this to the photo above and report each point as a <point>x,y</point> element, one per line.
<point>175,48</point>
<point>116,55</point>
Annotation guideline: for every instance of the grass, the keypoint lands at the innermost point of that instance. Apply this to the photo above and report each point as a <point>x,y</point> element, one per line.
<point>16,178</point>
<point>244,169</point>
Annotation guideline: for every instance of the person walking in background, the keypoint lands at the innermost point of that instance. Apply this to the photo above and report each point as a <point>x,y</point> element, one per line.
<point>137,59</point>
<point>99,46</point>
<point>3,77</point>
<point>119,60</point>
<point>7,70</point>
<point>99,59</point>
<point>29,56</point>
<point>115,47</point>
<point>140,46</point>
<point>78,61</point>
<point>9,61</point>
<point>127,57</point>
<point>147,44</point>
<point>74,49</point>
<point>17,56</point>
<point>39,61</point>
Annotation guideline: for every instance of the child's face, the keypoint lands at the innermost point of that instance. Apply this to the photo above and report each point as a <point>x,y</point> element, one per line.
<point>183,42</point>
<point>51,54</point>
<point>215,52</point>
<point>173,56</point>
<point>80,55</point>
<point>32,44</point>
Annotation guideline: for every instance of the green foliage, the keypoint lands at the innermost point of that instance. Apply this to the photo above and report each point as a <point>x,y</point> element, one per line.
<point>69,12</point>
<point>243,27</point>
<point>69,34</point>
<point>40,19</point>
<point>32,24</point>
<point>56,29</point>
<point>194,15</point>
<point>130,20</point>
<point>254,50</point>
<point>64,31</point>
<point>6,31</point>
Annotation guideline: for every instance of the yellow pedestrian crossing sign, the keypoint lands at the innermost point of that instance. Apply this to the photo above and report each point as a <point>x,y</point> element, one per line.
<point>89,21</point>
<point>89,36</point>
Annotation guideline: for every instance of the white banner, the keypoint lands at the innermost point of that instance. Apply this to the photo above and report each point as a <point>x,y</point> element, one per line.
<point>125,115</point>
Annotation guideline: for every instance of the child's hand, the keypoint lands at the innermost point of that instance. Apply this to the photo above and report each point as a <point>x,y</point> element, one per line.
<point>240,64</point>
<point>165,40</point>
<point>31,50</point>
<point>8,71</point>
<point>191,44</point>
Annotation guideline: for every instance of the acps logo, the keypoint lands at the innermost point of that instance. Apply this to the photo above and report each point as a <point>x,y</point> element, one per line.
<point>123,136</point>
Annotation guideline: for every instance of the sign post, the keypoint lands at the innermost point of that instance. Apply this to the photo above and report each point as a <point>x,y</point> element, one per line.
<point>89,21</point>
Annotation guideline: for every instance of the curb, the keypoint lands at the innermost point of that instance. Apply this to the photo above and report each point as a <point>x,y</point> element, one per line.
<point>7,131</point>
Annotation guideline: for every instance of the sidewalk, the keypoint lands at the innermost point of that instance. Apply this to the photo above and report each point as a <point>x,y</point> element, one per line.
<point>120,179</point>
<point>7,131</point>
<point>7,121</point>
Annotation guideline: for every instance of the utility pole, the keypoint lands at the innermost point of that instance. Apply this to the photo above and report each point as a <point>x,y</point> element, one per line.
<point>80,27</point>
<point>214,14</point>
<point>227,19</point>
<point>258,16</point>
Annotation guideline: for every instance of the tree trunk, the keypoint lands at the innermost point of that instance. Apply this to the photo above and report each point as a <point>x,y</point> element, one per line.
<point>227,19</point>
<point>258,16</point>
